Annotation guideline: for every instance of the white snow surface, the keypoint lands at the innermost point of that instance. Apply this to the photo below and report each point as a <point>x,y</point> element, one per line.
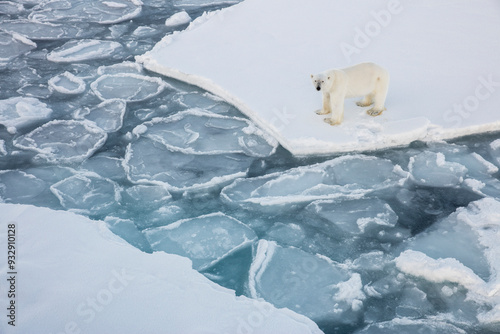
<point>259,54</point>
<point>91,279</point>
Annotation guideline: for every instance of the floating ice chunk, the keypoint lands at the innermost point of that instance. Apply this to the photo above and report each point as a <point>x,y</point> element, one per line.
<point>36,91</point>
<point>20,187</point>
<point>144,31</point>
<point>355,216</point>
<point>67,83</point>
<point>198,132</point>
<point>205,239</point>
<point>11,8</point>
<point>13,45</point>
<point>17,112</point>
<point>495,151</point>
<point>413,304</point>
<point>340,178</point>
<point>286,234</point>
<point>307,284</point>
<point>125,67</point>
<point>61,141</point>
<point>129,87</point>
<point>432,169</point>
<point>87,193</point>
<point>107,167</point>
<point>178,19</point>
<point>147,196</point>
<point>147,161</point>
<point>108,115</point>
<point>103,12</point>
<point>126,229</point>
<point>404,325</point>
<point>84,50</point>
<point>46,31</point>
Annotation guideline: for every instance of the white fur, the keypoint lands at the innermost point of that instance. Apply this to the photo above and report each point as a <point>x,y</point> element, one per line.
<point>366,79</point>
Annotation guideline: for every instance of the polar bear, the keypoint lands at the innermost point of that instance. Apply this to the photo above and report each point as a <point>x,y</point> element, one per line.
<point>366,79</point>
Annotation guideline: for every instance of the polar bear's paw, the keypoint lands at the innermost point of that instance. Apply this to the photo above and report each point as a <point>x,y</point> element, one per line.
<point>331,121</point>
<point>362,103</point>
<point>375,112</point>
<point>322,112</point>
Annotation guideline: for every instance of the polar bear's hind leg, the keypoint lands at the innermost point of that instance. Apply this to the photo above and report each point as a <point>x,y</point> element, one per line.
<point>366,101</point>
<point>379,95</point>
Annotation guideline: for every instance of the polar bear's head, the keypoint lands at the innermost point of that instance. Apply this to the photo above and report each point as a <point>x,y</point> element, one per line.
<point>321,81</point>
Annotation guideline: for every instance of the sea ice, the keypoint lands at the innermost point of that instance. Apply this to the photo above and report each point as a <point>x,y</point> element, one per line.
<point>495,151</point>
<point>307,284</point>
<point>404,325</point>
<point>178,19</point>
<point>11,8</point>
<point>340,178</point>
<point>67,83</point>
<point>108,115</point>
<point>103,12</point>
<point>198,132</point>
<point>354,217</point>
<point>87,193</point>
<point>84,50</point>
<point>20,187</point>
<point>126,229</point>
<point>149,162</point>
<point>120,68</point>
<point>147,196</point>
<point>39,91</point>
<point>45,31</point>
<point>129,87</point>
<point>431,169</point>
<point>17,112</point>
<point>61,141</point>
<point>462,250</point>
<point>106,166</point>
<point>13,45</point>
<point>3,149</point>
<point>205,240</point>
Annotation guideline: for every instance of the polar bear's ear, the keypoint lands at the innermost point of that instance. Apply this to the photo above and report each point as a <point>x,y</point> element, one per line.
<point>312,76</point>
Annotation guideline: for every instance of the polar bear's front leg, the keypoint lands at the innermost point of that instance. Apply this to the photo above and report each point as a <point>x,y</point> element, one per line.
<point>326,105</point>
<point>337,107</point>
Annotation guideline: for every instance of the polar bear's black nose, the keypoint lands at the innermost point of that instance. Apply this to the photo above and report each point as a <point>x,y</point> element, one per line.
<point>318,88</point>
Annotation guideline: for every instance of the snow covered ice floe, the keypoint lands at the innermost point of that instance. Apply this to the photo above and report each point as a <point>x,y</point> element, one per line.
<point>129,87</point>
<point>198,132</point>
<point>63,142</point>
<point>471,260</point>
<point>205,240</point>
<point>265,72</point>
<point>84,50</point>
<point>17,112</point>
<point>178,19</point>
<point>12,46</point>
<point>67,83</point>
<point>103,12</point>
<point>107,115</point>
<point>11,8</point>
<point>340,178</point>
<point>95,266</point>
<point>308,284</point>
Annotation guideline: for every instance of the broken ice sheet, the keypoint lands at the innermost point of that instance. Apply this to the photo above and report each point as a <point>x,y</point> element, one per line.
<point>17,112</point>
<point>197,132</point>
<point>340,178</point>
<point>11,8</point>
<point>45,31</point>
<point>61,141</point>
<point>67,83</point>
<point>205,240</point>
<point>13,45</point>
<point>404,325</point>
<point>307,284</point>
<point>106,166</point>
<point>431,169</point>
<point>150,162</point>
<point>103,12</point>
<point>87,193</point>
<point>108,115</point>
<point>84,50</point>
<point>129,87</point>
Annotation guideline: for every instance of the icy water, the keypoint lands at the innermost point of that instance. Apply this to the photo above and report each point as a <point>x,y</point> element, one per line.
<point>172,168</point>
